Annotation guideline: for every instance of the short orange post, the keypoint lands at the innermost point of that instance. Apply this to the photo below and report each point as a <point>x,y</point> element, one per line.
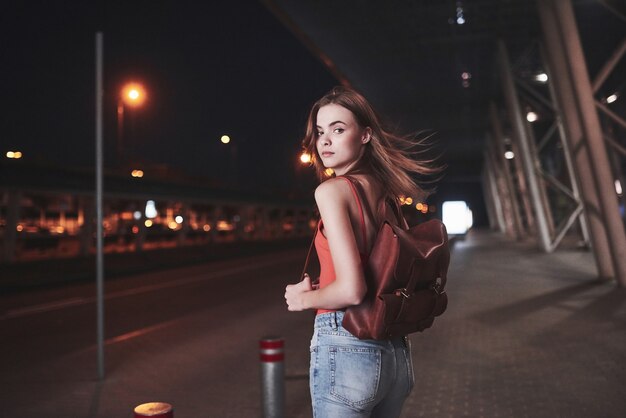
<point>155,410</point>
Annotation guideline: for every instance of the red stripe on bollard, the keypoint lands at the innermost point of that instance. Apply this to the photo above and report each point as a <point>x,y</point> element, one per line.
<point>272,350</point>
<point>271,358</point>
<point>155,410</point>
<point>272,344</point>
<point>272,355</point>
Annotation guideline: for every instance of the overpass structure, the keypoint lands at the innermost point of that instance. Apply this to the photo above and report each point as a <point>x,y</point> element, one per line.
<point>527,98</point>
<point>49,212</point>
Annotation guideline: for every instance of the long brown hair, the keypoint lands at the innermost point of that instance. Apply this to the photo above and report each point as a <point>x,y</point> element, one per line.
<point>390,158</point>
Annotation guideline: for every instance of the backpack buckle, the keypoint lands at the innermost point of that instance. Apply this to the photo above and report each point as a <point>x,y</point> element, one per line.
<point>436,286</point>
<point>403,292</point>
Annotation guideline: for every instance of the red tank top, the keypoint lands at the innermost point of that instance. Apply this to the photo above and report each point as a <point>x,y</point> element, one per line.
<point>327,269</point>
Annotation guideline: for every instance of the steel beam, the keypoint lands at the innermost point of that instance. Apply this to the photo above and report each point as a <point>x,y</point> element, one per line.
<point>523,141</point>
<point>592,133</point>
<point>499,150</point>
<point>559,76</point>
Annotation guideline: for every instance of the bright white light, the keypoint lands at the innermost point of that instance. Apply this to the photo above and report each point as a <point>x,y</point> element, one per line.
<point>541,77</point>
<point>151,211</point>
<point>531,117</point>
<point>178,219</point>
<point>611,98</point>
<point>225,139</point>
<point>460,20</point>
<point>456,217</point>
<point>14,154</point>
<point>618,187</point>
<point>509,155</point>
<point>137,215</point>
<point>305,158</point>
<point>470,218</point>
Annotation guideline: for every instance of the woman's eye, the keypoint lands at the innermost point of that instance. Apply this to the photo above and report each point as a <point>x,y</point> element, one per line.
<point>339,130</point>
<point>319,133</point>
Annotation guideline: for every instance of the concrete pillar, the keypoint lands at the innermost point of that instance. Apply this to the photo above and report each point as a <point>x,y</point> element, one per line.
<point>243,212</point>
<point>140,238</point>
<point>521,137</point>
<point>559,63</point>
<point>216,215</point>
<point>88,210</point>
<point>184,227</point>
<point>13,216</point>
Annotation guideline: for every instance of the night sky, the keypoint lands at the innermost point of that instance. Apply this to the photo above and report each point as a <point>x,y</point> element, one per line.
<point>210,68</point>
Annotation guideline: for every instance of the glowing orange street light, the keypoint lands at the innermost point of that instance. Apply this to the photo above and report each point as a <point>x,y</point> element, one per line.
<point>305,158</point>
<point>133,95</point>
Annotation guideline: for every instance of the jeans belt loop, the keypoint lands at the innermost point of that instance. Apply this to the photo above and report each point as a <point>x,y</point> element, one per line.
<point>334,322</point>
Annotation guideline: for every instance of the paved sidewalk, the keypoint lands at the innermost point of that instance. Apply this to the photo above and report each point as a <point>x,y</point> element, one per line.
<point>526,334</point>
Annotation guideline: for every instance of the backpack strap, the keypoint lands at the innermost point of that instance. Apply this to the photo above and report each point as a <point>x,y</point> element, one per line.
<point>308,255</point>
<point>352,183</point>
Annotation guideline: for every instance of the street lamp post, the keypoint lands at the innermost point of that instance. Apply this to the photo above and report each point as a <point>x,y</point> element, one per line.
<point>132,95</point>
<point>225,139</point>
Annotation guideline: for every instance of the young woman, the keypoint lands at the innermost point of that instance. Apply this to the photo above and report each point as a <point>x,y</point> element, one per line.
<point>351,377</point>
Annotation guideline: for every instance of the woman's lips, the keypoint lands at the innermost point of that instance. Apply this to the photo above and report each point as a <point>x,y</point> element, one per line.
<point>327,153</point>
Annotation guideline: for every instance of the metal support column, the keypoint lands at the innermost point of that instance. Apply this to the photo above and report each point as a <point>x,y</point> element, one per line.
<point>541,186</point>
<point>496,217</point>
<point>565,141</point>
<point>531,227</point>
<point>503,191</point>
<point>518,227</point>
<point>488,198</point>
<point>529,163</point>
<point>600,165</point>
<point>560,78</point>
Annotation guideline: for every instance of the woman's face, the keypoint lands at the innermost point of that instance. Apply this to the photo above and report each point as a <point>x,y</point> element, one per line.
<point>340,139</point>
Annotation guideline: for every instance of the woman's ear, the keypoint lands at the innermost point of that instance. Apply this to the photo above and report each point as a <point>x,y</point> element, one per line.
<point>367,135</point>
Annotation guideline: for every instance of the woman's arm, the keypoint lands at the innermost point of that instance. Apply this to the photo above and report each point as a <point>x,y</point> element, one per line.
<point>333,198</point>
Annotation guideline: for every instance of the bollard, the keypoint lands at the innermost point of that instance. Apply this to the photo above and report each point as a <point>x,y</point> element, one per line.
<point>154,409</point>
<point>272,355</point>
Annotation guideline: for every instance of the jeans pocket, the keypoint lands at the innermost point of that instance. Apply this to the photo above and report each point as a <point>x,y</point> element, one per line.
<point>355,374</point>
<point>409,365</point>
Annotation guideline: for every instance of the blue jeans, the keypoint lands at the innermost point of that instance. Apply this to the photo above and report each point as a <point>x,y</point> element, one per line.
<point>352,378</point>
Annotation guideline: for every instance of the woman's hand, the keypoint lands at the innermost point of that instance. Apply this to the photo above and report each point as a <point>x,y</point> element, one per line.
<point>295,294</point>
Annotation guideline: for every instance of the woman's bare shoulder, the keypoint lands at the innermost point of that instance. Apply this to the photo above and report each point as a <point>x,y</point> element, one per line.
<point>336,189</point>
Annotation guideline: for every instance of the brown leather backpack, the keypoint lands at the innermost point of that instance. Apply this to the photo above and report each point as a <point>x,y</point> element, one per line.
<point>406,276</point>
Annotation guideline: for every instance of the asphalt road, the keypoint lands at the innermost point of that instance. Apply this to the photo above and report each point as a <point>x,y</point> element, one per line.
<point>187,336</point>
<point>526,334</point>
